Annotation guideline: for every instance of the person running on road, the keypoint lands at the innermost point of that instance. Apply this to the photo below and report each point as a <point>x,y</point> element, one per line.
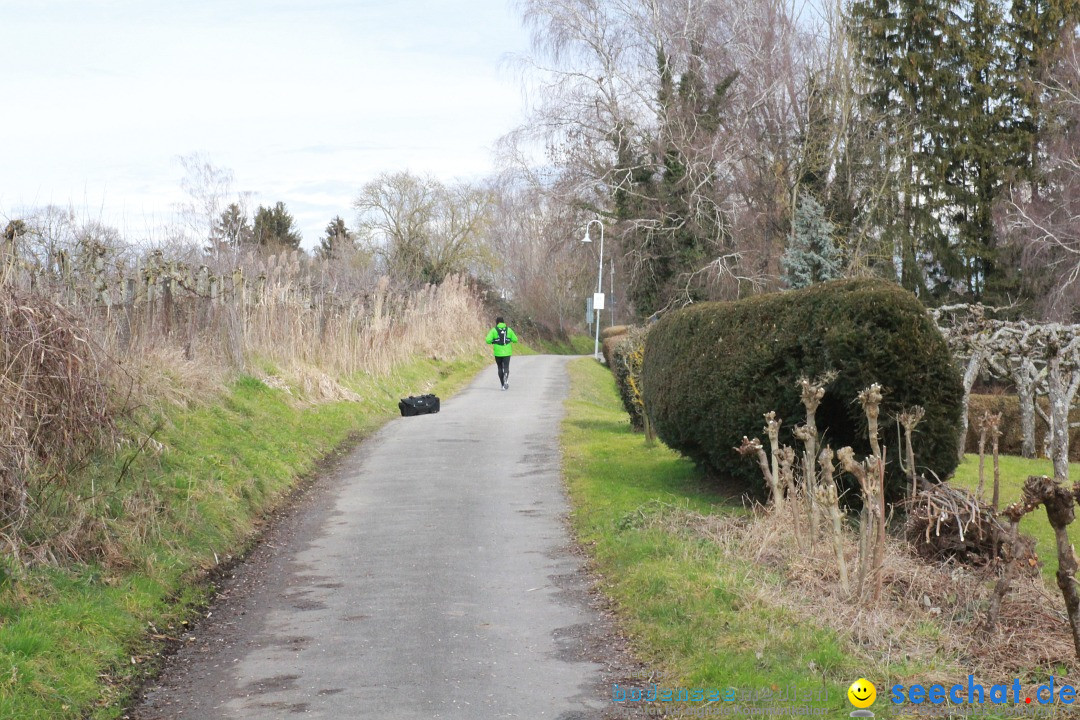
<point>501,338</point>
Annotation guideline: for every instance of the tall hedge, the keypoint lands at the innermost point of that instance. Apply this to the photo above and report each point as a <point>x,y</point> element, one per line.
<point>711,370</point>
<point>626,359</point>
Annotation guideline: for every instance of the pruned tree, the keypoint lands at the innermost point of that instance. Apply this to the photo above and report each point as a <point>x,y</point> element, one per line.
<point>909,419</point>
<point>1060,503</point>
<point>1038,357</point>
<point>971,337</point>
<point>1016,356</point>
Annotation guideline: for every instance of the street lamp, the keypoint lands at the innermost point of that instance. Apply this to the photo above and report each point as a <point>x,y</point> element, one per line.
<point>598,297</point>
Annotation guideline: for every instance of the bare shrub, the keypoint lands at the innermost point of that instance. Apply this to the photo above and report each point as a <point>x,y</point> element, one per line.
<point>53,399</point>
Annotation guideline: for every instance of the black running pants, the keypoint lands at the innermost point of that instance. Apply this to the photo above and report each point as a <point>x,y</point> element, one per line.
<point>503,363</point>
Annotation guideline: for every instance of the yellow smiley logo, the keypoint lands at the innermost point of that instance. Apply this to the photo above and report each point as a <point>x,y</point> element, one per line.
<point>862,693</point>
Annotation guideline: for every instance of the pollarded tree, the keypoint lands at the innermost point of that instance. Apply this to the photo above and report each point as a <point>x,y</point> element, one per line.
<point>812,255</point>
<point>275,229</point>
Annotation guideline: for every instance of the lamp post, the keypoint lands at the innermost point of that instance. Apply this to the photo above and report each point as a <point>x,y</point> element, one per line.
<point>598,298</point>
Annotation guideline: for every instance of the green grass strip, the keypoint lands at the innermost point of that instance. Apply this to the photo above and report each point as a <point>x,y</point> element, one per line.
<point>690,610</point>
<point>575,345</point>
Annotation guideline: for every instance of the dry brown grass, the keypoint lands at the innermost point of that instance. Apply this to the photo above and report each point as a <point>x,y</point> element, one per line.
<point>82,345</point>
<point>53,401</point>
<point>931,613</point>
<point>164,375</point>
<point>371,334</point>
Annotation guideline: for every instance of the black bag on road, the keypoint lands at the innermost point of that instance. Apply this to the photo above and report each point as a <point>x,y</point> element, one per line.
<point>418,405</point>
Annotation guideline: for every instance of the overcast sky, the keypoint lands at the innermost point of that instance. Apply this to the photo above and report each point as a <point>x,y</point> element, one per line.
<point>304,101</point>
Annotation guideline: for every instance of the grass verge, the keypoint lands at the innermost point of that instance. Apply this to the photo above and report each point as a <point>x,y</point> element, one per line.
<point>704,614</point>
<point>575,345</point>
<point>691,612</point>
<point>75,640</point>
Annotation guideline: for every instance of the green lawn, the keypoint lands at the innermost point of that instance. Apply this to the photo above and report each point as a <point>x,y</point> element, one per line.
<point>1014,471</point>
<point>74,640</point>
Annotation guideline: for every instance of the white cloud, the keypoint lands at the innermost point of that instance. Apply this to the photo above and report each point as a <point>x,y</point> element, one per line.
<point>292,96</point>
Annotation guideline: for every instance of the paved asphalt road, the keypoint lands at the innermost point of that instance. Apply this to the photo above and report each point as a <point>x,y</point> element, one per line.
<point>428,576</point>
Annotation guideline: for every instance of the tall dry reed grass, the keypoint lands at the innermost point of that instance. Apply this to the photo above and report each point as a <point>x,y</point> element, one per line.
<point>90,339</point>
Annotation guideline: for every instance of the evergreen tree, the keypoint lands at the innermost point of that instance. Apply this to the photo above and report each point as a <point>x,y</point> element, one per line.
<point>981,144</point>
<point>934,78</point>
<point>275,228</point>
<point>232,228</point>
<point>336,238</point>
<point>1035,32</point>
<point>899,84</point>
<point>811,256</point>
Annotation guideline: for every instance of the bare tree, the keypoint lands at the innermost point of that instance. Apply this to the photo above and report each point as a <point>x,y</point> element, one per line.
<point>1043,216</point>
<point>681,122</point>
<point>421,229</point>
<point>538,259</point>
<point>210,194</point>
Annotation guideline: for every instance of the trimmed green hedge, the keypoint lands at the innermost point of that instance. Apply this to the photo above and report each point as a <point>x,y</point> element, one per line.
<point>626,360</point>
<point>711,370</point>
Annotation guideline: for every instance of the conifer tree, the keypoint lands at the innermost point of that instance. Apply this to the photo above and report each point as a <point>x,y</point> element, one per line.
<point>1035,31</point>
<point>958,97</point>
<point>898,84</point>
<point>933,74</point>
<point>335,240</point>
<point>232,228</point>
<point>981,144</point>
<point>275,228</point>
<point>811,255</point>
